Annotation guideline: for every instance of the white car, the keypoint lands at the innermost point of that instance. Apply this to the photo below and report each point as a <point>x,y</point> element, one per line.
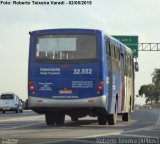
<point>10,102</point>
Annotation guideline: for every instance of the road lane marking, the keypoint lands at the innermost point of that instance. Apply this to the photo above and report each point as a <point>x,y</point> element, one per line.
<point>26,125</point>
<point>22,126</point>
<point>101,135</point>
<point>139,136</point>
<point>22,118</point>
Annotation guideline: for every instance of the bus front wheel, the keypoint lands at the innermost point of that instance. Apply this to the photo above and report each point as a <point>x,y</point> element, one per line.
<point>127,116</point>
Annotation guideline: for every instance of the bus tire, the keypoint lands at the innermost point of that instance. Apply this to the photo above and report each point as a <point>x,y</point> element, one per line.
<point>127,116</point>
<point>112,118</point>
<point>74,118</point>
<point>102,119</point>
<point>60,119</point>
<point>3,112</point>
<point>50,120</point>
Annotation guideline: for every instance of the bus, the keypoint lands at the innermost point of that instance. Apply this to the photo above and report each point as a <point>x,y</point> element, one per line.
<point>80,72</point>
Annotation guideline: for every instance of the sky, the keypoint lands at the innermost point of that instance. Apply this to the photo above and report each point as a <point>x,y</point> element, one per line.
<point>115,17</point>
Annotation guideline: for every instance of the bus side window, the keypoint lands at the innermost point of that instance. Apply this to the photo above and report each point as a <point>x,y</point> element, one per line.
<point>126,64</point>
<point>112,51</point>
<point>130,66</point>
<point>108,55</point>
<point>108,49</point>
<point>117,60</point>
<point>109,46</point>
<point>117,54</point>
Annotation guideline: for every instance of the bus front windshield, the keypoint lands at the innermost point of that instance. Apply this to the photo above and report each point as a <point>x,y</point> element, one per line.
<point>66,47</point>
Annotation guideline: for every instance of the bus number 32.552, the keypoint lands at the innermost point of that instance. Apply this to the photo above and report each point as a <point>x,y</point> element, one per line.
<point>82,71</point>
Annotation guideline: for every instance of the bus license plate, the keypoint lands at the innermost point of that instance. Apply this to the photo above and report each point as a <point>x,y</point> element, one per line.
<point>65,91</point>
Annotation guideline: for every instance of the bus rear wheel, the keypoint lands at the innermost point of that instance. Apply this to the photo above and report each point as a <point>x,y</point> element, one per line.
<point>60,118</point>
<point>127,116</point>
<point>102,119</point>
<point>50,119</point>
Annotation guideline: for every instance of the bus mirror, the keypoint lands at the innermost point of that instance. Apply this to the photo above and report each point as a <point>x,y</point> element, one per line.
<point>30,33</point>
<point>136,66</point>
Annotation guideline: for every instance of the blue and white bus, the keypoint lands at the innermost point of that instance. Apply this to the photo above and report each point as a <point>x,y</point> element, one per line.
<point>79,72</point>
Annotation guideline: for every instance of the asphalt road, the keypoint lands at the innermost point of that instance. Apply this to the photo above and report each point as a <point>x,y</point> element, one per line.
<point>29,127</point>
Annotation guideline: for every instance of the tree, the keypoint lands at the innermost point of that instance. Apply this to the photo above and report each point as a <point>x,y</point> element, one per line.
<point>156,81</point>
<point>150,92</point>
<point>156,77</point>
<point>156,95</point>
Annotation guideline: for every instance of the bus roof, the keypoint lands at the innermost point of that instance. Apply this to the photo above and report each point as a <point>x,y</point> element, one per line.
<point>65,30</point>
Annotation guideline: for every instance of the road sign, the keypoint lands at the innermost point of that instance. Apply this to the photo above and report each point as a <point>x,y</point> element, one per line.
<point>130,41</point>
